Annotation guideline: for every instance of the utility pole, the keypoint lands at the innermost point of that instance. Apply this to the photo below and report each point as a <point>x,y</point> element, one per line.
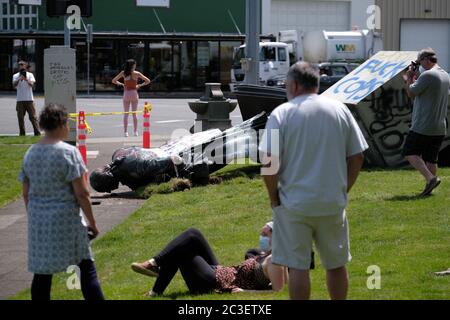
<point>66,31</point>
<point>253,31</point>
<point>89,39</point>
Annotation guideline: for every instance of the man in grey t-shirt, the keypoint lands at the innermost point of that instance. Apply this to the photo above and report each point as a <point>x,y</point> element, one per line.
<point>313,151</point>
<point>429,127</point>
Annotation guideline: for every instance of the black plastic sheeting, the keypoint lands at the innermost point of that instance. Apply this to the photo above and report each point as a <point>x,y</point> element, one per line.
<point>201,154</point>
<point>254,99</point>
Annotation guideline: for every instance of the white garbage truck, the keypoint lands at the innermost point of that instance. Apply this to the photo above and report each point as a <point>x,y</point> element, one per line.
<point>273,61</point>
<point>335,53</point>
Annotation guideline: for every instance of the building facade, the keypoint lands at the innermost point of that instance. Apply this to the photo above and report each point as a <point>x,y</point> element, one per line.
<point>311,15</point>
<point>179,48</point>
<point>416,24</point>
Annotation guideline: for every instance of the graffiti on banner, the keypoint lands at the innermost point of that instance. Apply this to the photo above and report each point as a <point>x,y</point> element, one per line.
<point>371,75</point>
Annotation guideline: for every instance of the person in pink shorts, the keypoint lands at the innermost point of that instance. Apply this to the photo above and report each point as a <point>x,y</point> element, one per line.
<point>130,95</point>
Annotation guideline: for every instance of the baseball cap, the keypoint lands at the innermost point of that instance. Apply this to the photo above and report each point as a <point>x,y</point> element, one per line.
<point>425,53</point>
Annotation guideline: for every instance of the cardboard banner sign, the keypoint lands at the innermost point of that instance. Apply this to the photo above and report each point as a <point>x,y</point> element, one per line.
<point>370,75</point>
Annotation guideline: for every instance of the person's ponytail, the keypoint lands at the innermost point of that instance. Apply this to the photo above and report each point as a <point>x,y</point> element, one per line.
<point>128,66</point>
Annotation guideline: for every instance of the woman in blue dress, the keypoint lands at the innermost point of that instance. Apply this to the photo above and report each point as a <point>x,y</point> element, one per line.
<point>54,189</point>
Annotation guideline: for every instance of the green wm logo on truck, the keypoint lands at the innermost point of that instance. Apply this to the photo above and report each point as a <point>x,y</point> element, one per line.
<point>345,48</point>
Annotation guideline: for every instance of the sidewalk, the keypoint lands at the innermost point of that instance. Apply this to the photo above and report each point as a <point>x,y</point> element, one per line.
<point>14,276</point>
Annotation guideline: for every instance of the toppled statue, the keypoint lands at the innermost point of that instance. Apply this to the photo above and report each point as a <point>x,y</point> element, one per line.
<point>191,157</point>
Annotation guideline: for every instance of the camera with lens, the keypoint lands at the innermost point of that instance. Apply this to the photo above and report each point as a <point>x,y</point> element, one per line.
<point>415,65</point>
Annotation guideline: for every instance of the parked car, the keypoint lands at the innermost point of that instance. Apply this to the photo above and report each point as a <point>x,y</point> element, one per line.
<point>278,81</point>
<point>330,73</point>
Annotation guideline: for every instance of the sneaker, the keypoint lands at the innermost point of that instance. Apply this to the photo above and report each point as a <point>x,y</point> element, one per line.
<point>145,268</point>
<point>126,134</point>
<point>443,273</point>
<point>430,186</point>
<point>150,294</point>
<point>136,134</point>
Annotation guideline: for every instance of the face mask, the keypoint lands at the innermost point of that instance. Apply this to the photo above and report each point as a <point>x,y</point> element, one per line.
<point>422,69</point>
<point>264,243</point>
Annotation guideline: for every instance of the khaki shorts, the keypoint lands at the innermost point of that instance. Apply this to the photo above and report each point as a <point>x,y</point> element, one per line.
<point>293,235</point>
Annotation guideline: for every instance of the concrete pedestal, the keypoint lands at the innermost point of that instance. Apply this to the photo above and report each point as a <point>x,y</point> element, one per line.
<point>60,81</point>
<point>212,109</point>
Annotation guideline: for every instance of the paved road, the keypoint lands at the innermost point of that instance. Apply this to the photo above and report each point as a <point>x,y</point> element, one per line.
<point>167,115</point>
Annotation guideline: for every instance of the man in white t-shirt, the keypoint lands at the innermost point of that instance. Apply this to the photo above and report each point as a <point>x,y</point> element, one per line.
<point>312,150</point>
<point>24,81</point>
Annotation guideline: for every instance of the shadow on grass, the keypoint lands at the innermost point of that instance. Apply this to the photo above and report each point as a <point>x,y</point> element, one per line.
<point>408,197</point>
<point>117,195</point>
<point>182,294</point>
<point>390,169</point>
<point>251,172</point>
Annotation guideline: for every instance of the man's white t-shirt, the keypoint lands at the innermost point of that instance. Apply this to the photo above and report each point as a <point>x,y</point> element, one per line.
<point>24,90</point>
<point>316,135</point>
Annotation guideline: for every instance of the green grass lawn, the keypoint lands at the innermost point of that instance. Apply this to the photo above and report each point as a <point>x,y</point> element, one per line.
<point>12,150</point>
<point>407,238</point>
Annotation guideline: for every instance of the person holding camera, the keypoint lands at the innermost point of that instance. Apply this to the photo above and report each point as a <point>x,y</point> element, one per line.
<point>429,126</point>
<point>23,81</point>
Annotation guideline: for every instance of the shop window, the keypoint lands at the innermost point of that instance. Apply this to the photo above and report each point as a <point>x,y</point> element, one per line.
<point>18,17</point>
<point>282,56</point>
<point>227,49</point>
<point>5,64</point>
<point>107,64</point>
<point>267,54</point>
<point>160,65</point>
<point>208,62</point>
<point>187,65</point>
<point>135,50</point>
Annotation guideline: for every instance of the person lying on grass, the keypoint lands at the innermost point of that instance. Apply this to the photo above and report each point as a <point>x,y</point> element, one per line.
<point>265,244</point>
<point>192,255</point>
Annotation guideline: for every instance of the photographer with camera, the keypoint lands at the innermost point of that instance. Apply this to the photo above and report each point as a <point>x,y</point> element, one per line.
<point>428,128</point>
<point>23,81</point>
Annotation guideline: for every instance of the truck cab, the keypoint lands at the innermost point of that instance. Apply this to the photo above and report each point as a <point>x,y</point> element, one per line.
<point>273,61</point>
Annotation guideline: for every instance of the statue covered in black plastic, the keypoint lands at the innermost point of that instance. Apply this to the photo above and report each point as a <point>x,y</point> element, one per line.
<point>136,167</point>
<point>187,157</point>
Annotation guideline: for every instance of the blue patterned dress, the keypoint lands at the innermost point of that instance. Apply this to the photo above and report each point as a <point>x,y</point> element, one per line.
<point>56,235</point>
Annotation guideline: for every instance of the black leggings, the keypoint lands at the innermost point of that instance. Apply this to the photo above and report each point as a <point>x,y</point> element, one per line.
<point>90,287</point>
<point>191,253</point>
